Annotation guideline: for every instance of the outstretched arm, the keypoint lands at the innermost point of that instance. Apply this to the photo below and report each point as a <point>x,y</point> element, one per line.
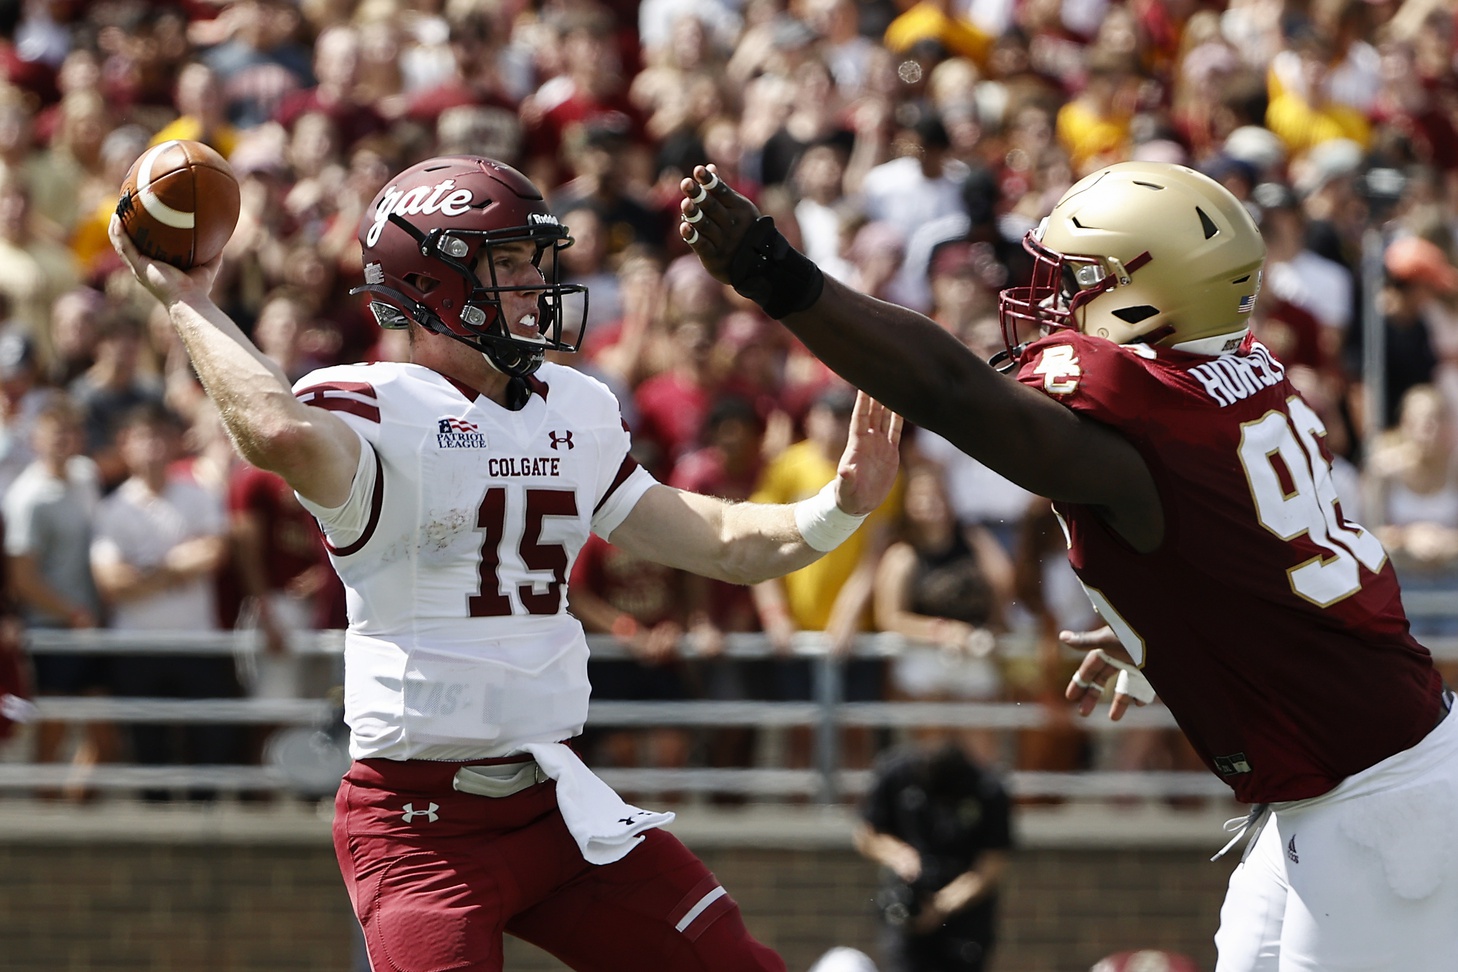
<point>313,450</point>
<point>745,543</point>
<point>918,369</point>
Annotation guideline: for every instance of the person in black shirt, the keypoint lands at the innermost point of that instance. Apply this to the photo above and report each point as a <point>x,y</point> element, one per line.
<point>940,825</point>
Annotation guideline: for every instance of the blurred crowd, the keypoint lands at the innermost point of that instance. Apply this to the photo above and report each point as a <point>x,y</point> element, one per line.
<point>905,146</point>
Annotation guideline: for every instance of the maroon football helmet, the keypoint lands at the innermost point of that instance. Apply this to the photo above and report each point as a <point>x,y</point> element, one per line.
<point>423,237</point>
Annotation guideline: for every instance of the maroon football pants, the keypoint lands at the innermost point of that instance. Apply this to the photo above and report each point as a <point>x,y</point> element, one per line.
<point>436,876</point>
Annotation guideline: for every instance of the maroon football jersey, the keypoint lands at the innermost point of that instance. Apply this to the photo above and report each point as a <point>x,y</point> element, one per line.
<point>1269,623</point>
<point>291,539</point>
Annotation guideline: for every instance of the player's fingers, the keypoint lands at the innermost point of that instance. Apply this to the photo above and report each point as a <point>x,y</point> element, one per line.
<point>119,239</point>
<point>1122,703</point>
<point>696,192</point>
<point>696,230</point>
<point>705,181</point>
<point>1087,686</point>
<point>886,423</point>
<point>1084,693</point>
<point>1097,638</point>
<point>879,417</point>
<point>1118,707</point>
<point>862,413</point>
<point>704,239</point>
<point>705,193</point>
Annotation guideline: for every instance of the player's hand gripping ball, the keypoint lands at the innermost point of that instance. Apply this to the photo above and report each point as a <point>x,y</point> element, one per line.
<point>179,203</point>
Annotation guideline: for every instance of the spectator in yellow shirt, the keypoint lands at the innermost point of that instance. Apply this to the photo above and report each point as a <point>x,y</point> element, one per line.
<point>935,20</point>
<point>1303,111</point>
<point>1093,127</point>
<point>201,111</point>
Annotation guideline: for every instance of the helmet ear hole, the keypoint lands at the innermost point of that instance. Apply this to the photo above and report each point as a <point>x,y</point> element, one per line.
<point>1133,315</point>
<point>421,282</point>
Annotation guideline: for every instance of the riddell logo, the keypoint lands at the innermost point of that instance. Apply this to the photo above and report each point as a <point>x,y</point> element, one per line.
<point>443,197</point>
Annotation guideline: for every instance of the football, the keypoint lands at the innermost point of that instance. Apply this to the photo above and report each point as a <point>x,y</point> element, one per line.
<point>179,203</point>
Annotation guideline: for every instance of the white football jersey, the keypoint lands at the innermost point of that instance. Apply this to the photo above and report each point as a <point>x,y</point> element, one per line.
<point>455,547</point>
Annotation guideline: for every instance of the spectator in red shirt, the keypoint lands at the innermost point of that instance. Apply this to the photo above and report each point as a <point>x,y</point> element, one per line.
<point>276,546</point>
<point>727,464</point>
<point>591,90</point>
<point>672,405</point>
<point>336,66</point>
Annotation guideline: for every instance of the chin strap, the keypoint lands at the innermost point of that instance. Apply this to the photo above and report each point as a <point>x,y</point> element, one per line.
<point>1007,360</point>
<point>518,393</point>
<point>510,360</point>
<point>388,312</point>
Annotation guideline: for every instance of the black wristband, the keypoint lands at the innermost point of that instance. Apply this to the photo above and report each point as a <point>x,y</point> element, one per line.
<point>772,273</point>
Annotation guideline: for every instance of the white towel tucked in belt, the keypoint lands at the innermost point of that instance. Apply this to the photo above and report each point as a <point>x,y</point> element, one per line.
<point>604,825</point>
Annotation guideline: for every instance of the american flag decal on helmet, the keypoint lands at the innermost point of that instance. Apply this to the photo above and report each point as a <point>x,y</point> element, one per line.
<point>1247,304</point>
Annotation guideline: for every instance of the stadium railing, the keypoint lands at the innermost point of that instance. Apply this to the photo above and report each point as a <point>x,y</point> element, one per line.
<point>313,758</point>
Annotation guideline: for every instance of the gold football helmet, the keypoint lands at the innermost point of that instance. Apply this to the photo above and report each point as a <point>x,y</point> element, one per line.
<point>1141,251</point>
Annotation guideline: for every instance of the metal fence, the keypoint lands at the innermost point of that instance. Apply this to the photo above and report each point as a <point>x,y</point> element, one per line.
<point>314,757</point>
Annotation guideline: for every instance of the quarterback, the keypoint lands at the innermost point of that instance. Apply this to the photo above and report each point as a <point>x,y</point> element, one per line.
<point>455,492</point>
<point>1195,489</point>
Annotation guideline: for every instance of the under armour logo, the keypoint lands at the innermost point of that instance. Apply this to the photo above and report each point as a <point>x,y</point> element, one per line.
<point>1291,850</point>
<point>557,439</point>
<point>429,813</point>
<point>628,820</point>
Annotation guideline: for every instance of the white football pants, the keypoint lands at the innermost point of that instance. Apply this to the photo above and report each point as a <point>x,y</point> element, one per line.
<point>1361,879</point>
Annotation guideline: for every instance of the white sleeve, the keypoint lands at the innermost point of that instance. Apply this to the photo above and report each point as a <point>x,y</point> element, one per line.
<point>346,523</point>
<point>105,544</point>
<point>18,523</point>
<point>627,490</point>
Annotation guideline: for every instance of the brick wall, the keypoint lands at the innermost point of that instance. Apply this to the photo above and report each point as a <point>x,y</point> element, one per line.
<point>130,904</point>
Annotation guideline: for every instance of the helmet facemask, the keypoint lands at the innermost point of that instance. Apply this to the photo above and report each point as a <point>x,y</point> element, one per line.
<point>1061,286</point>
